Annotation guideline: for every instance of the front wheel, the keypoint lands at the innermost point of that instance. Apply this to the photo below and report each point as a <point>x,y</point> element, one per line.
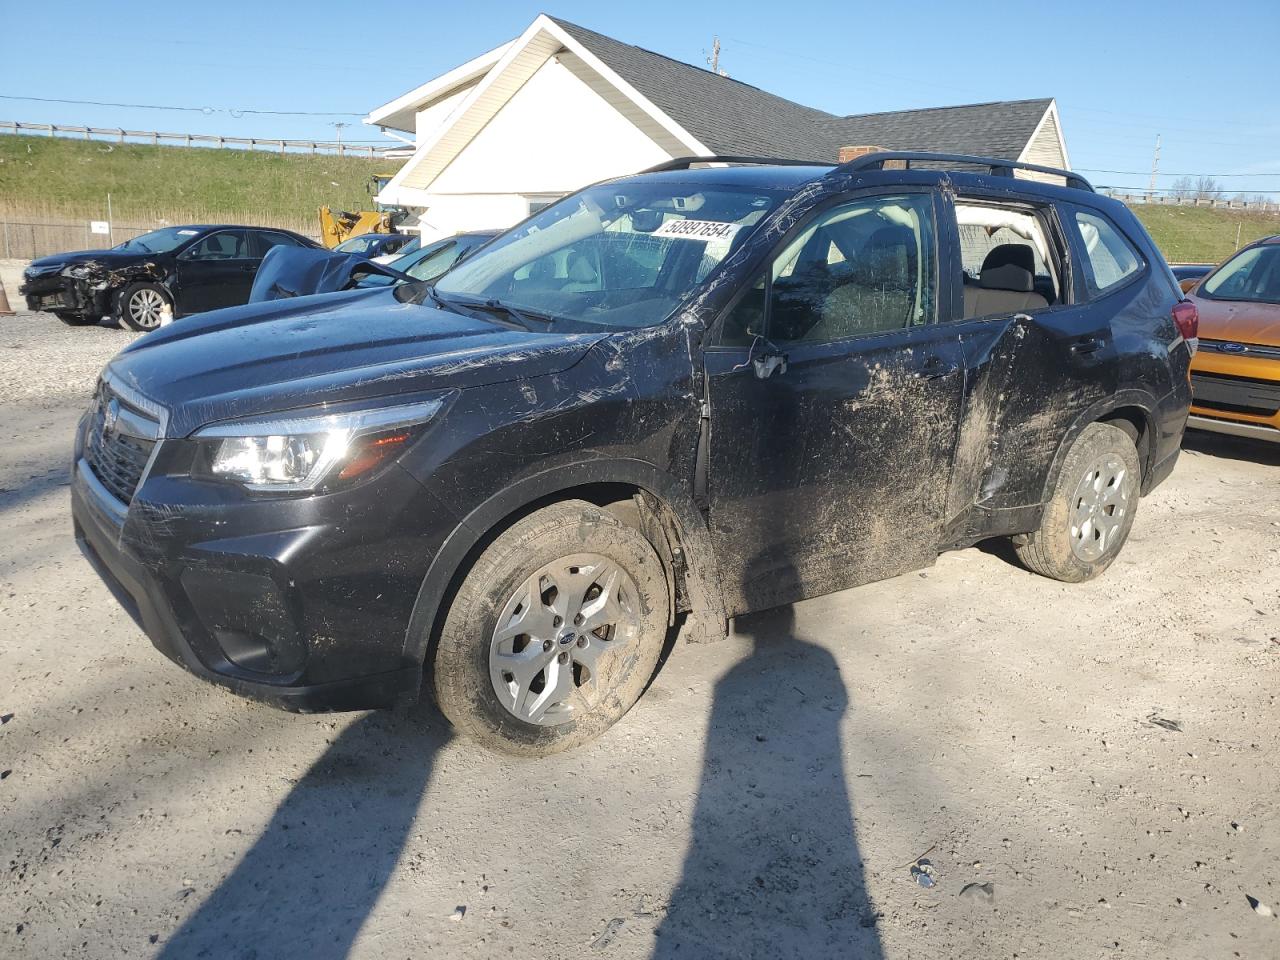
<point>142,305</point>
<point>554,632</point>
<point>1091,510</point>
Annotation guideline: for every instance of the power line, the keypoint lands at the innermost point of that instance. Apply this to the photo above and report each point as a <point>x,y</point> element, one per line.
<point>205,110</point>
<point>1141,173</point>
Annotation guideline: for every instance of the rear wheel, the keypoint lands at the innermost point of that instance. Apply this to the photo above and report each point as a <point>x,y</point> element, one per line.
<point>554,632</point>
<point>1091,510</point>
<point>142,305</point>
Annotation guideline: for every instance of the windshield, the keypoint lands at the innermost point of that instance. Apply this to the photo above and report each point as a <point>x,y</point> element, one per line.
<point>1252,274</point>
<point>619,255</point>
<point>361,244</point>
<point>159,241</point>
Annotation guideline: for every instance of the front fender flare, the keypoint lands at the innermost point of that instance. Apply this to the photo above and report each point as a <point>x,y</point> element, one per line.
<point>702,574</point>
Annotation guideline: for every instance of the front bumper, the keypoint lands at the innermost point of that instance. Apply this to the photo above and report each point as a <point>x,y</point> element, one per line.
<point>1237,393</point>
<point>303,604</point>
<point>56,293</point>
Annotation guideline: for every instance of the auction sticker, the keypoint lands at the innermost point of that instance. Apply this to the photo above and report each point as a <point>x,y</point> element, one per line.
<point>698,229</point>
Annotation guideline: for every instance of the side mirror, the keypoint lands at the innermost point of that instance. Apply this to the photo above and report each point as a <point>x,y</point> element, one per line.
<point>1186,286</point>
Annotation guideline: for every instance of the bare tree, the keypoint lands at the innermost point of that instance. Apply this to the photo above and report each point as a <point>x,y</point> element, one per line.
<point>1183,188</point>
<point>1207,188</point>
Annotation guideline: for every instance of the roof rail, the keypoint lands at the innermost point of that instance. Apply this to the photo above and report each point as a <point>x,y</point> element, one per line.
<point>684,163</point>
<point>998,167</point>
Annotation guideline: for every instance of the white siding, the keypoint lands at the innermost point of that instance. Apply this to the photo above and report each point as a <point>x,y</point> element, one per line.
<point>428,120</point>
<point>555,135</point>
<point>1045,148</point>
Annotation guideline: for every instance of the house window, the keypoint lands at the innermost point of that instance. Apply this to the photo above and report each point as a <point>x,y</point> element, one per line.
<point>541,202</point>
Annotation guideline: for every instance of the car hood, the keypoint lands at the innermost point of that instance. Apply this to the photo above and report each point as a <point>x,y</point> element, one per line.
<point>1239,321</point>
<point>298,271</point>
<point>111,259</point>
<point>356,345</point>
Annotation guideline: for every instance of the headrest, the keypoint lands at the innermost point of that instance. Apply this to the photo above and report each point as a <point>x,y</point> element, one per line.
<point>580,270</point>
<point>1010,266</point>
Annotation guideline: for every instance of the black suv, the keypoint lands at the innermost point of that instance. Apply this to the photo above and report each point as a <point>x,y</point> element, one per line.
<point>672,397</point>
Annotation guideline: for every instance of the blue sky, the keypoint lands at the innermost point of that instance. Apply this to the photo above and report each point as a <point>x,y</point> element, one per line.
<point>1201,75</point>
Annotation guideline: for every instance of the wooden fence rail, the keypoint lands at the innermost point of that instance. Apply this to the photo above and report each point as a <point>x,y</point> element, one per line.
<point>155,137</point>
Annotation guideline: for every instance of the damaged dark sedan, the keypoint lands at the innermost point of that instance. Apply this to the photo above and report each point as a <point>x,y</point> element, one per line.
<point>664,401</point>
<point>165,273</point>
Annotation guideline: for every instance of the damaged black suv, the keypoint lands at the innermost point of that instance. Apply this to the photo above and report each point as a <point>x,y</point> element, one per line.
<point>170,272</point>
<point>666,400</point>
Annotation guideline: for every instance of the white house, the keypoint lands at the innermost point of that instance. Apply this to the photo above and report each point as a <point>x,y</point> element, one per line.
<point>561,106</point>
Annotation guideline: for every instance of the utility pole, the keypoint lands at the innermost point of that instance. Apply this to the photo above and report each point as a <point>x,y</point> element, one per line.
<point>713,58</point>
<point>1155,169</point>
<point>338,125</point>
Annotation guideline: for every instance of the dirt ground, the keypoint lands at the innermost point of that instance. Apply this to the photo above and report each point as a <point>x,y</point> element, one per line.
<point>1104,756</point>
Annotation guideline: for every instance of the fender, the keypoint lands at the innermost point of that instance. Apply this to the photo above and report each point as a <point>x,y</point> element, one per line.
<point>1141,399</point>
<point>703,580</point>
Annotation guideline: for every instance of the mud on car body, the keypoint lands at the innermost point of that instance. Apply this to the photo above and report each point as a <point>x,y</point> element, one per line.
<point>682,395</point>
<point>184,269</point>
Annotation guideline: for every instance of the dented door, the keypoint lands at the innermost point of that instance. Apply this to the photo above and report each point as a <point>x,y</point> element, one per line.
<point>832,429</point>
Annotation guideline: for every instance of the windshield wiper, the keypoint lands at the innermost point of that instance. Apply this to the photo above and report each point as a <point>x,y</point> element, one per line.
<point>524,317</point>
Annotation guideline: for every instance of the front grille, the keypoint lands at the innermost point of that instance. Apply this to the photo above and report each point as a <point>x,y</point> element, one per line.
<point>1236,394</point>
<point>117,458</point>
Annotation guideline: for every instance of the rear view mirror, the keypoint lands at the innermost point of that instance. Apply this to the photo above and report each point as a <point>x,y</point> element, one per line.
<point>646,221</point>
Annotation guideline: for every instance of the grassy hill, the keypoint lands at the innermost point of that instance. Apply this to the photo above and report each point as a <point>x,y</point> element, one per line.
<point>64,178</point>
<point>1202,235</point>
<point>58,178</point>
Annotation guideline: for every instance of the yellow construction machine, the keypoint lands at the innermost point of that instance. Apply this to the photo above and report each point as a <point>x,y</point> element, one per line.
<point>343,225</point>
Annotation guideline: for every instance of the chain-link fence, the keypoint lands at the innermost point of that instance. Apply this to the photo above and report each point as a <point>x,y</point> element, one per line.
<point>26,238</point>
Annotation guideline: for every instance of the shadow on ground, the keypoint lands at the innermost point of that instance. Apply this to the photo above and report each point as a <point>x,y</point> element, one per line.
<point>309,882</point>
<point>773,868</point>
<point>1229,447</point>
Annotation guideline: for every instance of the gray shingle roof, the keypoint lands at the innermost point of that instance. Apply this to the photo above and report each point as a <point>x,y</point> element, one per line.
<point>732,117</point>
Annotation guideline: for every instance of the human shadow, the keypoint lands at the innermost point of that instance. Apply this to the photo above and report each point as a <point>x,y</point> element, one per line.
<point>311,879</point>
<point>773,868</point>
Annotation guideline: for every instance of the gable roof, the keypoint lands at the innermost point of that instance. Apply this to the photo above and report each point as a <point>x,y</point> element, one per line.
<point>689,111</point>
<point>729,116</point>
<point>732,117</point>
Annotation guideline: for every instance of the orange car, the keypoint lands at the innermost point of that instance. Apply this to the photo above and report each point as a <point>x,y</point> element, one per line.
<point>1235,375</point>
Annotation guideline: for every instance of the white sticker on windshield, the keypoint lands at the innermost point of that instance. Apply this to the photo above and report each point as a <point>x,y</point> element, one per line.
<point>187,233</point>
<point>698,229</point>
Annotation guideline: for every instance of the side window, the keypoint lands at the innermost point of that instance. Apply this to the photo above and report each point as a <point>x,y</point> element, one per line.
<point>270,238</point>
<point>859,269</point>
<point>1109,257</point>
<point>1007,263</point>
<point>223,245</point>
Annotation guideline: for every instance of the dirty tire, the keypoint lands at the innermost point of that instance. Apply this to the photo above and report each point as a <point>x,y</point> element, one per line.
<point>1054,549</point>
<point>75,320</point>
<point>136,306</point>
<point>463,683</point>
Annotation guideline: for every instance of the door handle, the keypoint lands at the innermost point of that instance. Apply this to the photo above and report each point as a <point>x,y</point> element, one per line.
<point>1086,345</point>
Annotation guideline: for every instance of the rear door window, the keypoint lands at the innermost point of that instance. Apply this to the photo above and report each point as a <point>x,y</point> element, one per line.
<point>1008,262</point>
<point>1109,258</point>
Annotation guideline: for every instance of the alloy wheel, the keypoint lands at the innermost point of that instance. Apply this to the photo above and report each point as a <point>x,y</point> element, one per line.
<point>1098,507</point>
<point>145,307</point>
<point>562,639</point>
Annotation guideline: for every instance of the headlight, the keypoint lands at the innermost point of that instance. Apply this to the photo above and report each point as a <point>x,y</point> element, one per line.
<point>83,271</point>
<point>291,454</point>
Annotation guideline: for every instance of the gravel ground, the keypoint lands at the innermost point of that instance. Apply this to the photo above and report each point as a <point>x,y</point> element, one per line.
<point>1090,769</point>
